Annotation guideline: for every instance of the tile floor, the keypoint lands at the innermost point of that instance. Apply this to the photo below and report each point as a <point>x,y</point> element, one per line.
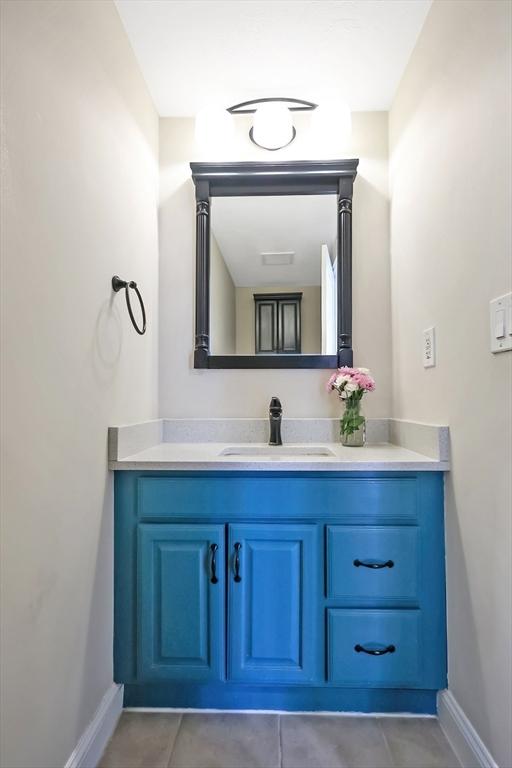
<point>230,740</point>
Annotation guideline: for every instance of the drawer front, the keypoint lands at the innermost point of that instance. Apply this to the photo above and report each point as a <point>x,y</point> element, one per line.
<point>363,500</point>
<point>373,563</point>
<point>374,648</point>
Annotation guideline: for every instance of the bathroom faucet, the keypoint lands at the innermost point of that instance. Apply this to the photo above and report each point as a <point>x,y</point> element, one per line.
<point>275,414</point>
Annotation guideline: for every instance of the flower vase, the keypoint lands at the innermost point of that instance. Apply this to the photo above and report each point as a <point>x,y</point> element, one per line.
<point>353,425</point>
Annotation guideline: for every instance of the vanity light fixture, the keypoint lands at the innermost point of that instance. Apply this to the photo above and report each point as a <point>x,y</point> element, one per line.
<point>272,127</point>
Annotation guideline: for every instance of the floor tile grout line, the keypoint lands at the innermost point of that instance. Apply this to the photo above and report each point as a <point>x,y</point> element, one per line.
<point>386,742</point>
<point>175,740</point>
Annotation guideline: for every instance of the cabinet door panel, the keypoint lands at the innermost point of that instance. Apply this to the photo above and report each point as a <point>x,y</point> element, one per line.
<point>274,624</point>
<point>289,327</point>
<point>181,612</point>
<point>266,327</point>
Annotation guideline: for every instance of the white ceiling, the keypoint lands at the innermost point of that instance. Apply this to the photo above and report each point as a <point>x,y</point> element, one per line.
<point>244,227</point>
<point>198,52</point>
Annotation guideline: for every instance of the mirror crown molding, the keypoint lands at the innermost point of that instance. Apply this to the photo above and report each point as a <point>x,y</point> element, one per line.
<point>296,177</point>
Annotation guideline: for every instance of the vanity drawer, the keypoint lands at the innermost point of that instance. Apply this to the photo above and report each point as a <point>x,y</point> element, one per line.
<point>373,563</point>
<point>374,648</point>
<point>365,501</point>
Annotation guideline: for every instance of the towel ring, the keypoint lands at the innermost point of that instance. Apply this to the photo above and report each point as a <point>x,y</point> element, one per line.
<point>117,284</point>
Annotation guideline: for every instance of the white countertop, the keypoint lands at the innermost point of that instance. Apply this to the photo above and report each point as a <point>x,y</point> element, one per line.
<point>383,457</point>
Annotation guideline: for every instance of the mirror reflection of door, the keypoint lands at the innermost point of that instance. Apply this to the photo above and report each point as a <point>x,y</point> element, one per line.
<point>282,249</point>
<point>277,321</point>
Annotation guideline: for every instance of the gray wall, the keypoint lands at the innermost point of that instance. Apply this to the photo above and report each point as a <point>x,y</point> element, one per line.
<point>222,304</point>
<point>451,250</point>
<point>79,204</point>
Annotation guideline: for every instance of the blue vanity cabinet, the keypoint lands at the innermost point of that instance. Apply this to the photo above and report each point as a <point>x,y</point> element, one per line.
<point>274,590</point>
<point>274,622</point>
<point>181,606</point>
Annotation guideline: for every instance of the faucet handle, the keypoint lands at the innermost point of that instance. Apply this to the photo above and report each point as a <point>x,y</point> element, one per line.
<point>275,406</point>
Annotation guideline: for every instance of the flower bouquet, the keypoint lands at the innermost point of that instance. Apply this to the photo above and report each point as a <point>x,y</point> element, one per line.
<point>351,384</point>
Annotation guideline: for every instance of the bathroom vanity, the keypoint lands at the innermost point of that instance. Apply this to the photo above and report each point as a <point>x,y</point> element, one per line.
<point>282,581</point>
<point>300,577</point>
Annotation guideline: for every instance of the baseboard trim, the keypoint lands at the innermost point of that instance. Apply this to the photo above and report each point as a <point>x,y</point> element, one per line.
<point>464,740</point>
<point>96,736</point>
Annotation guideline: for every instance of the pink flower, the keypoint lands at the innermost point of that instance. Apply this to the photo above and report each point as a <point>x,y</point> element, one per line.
<point>331,381</point>
<point>364,380</point>
<point>351,380</point>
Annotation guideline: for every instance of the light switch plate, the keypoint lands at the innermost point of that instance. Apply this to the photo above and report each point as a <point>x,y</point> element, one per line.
<point>429,348</point>
<point>501,323</point>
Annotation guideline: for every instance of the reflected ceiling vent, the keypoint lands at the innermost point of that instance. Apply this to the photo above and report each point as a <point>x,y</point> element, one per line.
<point>277,258</point>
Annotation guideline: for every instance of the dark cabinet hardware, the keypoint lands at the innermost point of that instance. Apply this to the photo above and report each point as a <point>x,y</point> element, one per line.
<point>373,564</point>
<point>117,285</point>
<point>238,547</point>
<point>374,651</point>
<point>213,550</point>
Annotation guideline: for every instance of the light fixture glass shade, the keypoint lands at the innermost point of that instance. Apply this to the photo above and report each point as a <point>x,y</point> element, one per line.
<point>273,125</point>
<point>332,124</point>
<point>214,128</point>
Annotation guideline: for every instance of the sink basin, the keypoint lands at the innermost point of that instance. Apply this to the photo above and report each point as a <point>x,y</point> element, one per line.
<point>274,451</point>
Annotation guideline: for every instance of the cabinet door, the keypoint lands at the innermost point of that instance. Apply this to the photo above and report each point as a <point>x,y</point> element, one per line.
<point>266,327</point>
<point>289,326</point>
<point>274,627</point>
<point>181,599</point>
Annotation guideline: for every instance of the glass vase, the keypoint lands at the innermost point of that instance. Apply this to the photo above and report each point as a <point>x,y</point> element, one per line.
<point>353,425</point>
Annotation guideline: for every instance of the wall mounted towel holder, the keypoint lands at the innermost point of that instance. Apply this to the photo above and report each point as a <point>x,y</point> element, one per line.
<point>117,285</point>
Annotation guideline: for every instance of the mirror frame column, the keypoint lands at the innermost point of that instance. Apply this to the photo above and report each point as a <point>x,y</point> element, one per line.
<point>202,341</point>
<point>344,255</point>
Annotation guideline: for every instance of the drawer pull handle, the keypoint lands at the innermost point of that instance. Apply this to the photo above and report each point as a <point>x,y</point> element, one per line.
<point>213,550</point>
<point>238,547</point>
<point>373,564</point>
<point>374,651</point>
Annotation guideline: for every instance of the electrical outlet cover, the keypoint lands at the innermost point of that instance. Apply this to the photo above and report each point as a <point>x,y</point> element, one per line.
<point>429,348</point>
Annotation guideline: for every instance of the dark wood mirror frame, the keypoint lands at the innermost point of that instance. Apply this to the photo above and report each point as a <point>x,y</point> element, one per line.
<point>324,177</point>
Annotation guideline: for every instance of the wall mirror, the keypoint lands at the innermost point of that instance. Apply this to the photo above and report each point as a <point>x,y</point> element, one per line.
<point>274,264</point>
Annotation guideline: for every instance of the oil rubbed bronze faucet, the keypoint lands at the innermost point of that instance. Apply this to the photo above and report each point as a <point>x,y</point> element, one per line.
<point>275,414</point>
